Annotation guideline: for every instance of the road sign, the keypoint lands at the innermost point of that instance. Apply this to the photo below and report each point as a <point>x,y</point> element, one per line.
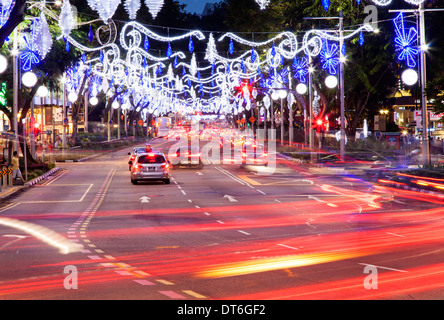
<point>252,119</point>
<point>10,171</point>
<point>65,121</point>
<point>242,120</point>
<point>140,123</point>
<point>5,171</point>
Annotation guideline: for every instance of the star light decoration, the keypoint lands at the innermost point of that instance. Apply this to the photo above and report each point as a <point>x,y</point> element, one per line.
<point>405,42</point>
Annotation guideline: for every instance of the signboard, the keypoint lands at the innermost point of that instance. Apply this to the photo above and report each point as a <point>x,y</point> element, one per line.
<point>65,121</point>
<point>140,123</point>
<point>252,119</point>
<point>431,116</point>
<point>392,139</point>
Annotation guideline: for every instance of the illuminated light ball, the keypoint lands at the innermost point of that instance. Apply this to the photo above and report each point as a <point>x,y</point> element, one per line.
<point>409,77</point>
<point>331,81</point>
<point>29,79</point>
<point>42,91</point>
<point>72,97</point>
<point>301,88</point>
<point>125,106</point>
<point>282,94</point>
<point>93,101</point>
<point>115,104</point>
<point>3,63</point>
<point>274,95</point>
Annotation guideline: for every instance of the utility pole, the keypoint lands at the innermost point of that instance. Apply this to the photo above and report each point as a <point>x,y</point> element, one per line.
<point>341,84</point>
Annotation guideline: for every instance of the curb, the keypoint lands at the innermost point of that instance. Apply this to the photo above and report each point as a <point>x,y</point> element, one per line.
<point>43,176</point>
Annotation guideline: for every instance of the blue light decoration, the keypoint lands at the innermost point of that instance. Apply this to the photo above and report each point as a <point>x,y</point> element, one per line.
<point>300,69</point>
<point>361,39</point>
<point>67,47</point>
<point>146,44</point>
<point>169,52</point>
<point>231,47</point>
<point>405,43</point>
<point>90,35</point>
<point>191,45</point>
<point>273,50</point>
<point>29,56</point>
<point>5,10</point>
<point>326,4</point>
<point>329,58</point>
<point>253,55</point>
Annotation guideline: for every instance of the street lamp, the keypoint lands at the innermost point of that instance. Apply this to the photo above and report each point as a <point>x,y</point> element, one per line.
<point>29,79</point>
<point>409,77</point>
<point>331,82</point>
<point>3,63</point>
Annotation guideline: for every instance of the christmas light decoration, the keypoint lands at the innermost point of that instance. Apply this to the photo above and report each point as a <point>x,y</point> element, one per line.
<point>5,10</point>
<point>154,6</point>
<point>263,4</point>
<point>42,36</point>
<point>405,42</point>
<point>66,18</point>
<point>131,7</point>
<point>105,8</point>
<point>29,55</point>
<point>300,69</point>
<point>330,57</point>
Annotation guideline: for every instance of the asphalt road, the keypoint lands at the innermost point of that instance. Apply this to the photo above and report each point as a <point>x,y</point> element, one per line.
<point>223,232</point>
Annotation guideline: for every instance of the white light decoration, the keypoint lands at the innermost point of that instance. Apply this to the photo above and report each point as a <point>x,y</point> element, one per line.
<point>3,63</point>
<point>66,18</point>
<point>93,101</point>
<point>301,88</point>
<point>263,3</point>
<point>331,82</point>
<point>72,97</point>
<point>282,94</point>
<point>29,79</point>
<point>43,39</point>
<point>105,8</point>
<point>131,7</point>
<point>42,92</point>
<point>154,6</point>
<point>409,77</point>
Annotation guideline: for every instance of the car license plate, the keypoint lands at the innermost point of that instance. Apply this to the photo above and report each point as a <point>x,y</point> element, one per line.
<point>150,169</point>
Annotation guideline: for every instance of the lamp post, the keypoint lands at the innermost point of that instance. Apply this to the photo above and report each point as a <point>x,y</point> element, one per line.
<point>341,84</point>
<point>15,70</point>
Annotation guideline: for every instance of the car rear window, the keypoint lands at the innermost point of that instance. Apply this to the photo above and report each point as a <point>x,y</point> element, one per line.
<point>151,159</point>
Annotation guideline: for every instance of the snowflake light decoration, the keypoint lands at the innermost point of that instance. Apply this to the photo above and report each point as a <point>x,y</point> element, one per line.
<point>29,56</point>
<point>405,42</point>
<point>329,58</point>
<point>300,69</point>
